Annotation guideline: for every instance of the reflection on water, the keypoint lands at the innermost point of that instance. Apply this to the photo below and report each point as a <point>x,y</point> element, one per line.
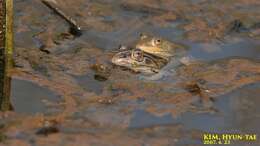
<point>238,113</point>
<point>242,47</point>
<point>234,114</point>
<point>89,83</point>
<point>29,98</point>
<point>144,119</point>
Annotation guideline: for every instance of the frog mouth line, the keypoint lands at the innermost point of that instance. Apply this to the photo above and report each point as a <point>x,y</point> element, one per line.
<point>137,68</point>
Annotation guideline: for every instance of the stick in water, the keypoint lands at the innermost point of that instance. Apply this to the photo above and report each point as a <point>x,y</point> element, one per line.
<point>75,29</point>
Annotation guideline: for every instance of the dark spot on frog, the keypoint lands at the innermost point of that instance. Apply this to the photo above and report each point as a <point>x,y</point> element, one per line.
<point>147,61</point>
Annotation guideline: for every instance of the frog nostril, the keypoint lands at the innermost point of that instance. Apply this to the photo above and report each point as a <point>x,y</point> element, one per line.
<point>123,54</point>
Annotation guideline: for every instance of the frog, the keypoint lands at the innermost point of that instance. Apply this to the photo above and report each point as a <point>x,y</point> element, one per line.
<point>138,61</point>
<point>160,47</point>
<point>155,49</point>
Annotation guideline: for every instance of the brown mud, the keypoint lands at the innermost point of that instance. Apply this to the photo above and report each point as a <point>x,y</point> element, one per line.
<point>79,98</point>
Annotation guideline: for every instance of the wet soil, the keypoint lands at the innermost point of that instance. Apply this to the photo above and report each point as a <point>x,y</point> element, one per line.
<point>65,91</point>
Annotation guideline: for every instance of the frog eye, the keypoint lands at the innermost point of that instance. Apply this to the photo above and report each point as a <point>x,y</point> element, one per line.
<point>138,55</point>
<point>157,41</point>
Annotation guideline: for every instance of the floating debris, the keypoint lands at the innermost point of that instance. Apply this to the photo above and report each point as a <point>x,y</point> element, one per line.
<point>102,72</point>
<point>236,26</point>
<point>106,101</point>
<point>49,127</point>
<point>195,89</point>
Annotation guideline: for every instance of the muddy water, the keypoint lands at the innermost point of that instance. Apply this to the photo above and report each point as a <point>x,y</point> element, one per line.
<point>235,115</point>
<point>238,114</point>
<point>240,47</point>
<point>54,73</point>
<point>29,98</point>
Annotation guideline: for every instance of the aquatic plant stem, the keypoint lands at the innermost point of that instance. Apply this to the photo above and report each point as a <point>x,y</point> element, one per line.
<point>8,57</point>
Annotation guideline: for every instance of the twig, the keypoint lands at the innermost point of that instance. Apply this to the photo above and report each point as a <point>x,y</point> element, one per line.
<point>75,29</point>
